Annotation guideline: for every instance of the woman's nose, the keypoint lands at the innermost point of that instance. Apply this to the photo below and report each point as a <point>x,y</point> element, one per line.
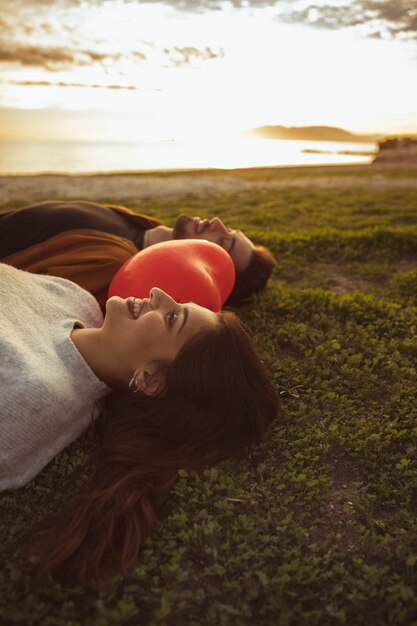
<point>159,298</point>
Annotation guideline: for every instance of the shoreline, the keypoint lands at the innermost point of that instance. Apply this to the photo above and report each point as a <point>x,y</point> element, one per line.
<point>405,157</point>
<point>187,170</point>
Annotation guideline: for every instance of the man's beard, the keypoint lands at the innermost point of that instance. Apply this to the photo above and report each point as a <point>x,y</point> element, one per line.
<point>179,231</point>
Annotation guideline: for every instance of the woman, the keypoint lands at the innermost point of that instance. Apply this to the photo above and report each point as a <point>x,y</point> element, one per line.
<point>174,386</point>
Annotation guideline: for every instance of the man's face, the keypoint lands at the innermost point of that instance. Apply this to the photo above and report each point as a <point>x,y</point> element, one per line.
<point>234,242</point>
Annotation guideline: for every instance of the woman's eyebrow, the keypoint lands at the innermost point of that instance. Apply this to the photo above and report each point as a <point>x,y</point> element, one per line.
<point>184,319</point>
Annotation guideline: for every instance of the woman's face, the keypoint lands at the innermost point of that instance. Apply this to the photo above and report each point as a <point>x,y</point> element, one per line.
<point>155,328</point>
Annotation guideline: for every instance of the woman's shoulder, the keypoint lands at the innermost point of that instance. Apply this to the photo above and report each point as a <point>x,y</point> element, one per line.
<point>50,298</point>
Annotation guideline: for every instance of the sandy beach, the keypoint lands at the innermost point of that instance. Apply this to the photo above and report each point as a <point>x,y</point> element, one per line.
<point>21,189</point>
<point>132,186</point>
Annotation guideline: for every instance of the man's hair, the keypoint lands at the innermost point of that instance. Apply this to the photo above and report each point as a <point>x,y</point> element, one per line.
<point>254,277</point>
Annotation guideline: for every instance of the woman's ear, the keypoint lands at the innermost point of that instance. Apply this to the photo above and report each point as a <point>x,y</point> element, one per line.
<point>149,384</point>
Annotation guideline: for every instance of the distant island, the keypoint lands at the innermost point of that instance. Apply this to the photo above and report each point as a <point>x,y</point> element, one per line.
<point>311,133</point>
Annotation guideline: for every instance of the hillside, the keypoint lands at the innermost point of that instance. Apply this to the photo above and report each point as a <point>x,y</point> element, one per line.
<point>311,133</point>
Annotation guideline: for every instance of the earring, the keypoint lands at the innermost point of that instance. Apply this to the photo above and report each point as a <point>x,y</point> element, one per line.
<point>133,384</point>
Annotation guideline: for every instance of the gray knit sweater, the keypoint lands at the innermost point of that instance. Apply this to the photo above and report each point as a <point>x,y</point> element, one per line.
<point>47,389</point>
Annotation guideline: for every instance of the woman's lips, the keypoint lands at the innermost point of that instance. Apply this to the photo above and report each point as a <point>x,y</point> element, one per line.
<point>131,308</point>
<point>200,226</point>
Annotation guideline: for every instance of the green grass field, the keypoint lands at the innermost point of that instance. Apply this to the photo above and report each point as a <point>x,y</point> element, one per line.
<point>317,526</point>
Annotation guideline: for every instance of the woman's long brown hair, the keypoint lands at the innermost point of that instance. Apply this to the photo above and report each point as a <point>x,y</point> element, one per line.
<point>217,400</point>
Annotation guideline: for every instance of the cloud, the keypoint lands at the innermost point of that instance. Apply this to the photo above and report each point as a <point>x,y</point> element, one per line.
<point>389,18</point>
<point>47,58</point>
<point>47,83</point>
<point>43,28</point>
<point>196,5</point>
<point>189,55</point>
<point>139,55</point>
<point>57,58</point>
<point>186,5</point>
<point>382,18</point>
<point>50,58</point>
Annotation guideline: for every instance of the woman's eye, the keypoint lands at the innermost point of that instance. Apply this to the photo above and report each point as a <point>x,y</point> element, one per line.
<point>171,316</point>
<point>225,243</point>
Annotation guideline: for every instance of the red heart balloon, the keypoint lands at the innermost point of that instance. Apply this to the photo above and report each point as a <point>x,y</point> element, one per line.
<point>189,270</point>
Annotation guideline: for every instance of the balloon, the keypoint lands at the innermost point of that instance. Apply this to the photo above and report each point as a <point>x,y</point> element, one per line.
<point>189,270</point>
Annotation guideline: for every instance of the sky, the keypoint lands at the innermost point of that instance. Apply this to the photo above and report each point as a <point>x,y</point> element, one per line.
<point>150,70</point>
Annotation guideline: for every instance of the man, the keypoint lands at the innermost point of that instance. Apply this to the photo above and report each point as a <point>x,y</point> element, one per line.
<point>88,242</point>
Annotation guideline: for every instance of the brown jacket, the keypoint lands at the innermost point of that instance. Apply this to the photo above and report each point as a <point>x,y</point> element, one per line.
<point>89,258</point>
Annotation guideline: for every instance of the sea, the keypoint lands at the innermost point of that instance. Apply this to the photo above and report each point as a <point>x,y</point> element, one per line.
<point>32,157</point>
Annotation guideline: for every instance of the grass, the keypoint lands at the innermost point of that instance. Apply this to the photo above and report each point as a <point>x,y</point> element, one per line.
<point>318,524</point>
